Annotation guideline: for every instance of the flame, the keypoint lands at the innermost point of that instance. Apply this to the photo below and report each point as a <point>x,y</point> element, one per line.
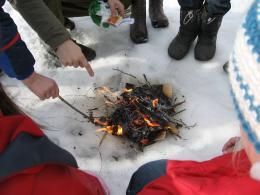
<point>110,129</point>
<point>150,123</point>
<point>144,141</point>
<point>125,90</point>
<point>99,122</point>
<point>155,103</point>
<point>105,90</point>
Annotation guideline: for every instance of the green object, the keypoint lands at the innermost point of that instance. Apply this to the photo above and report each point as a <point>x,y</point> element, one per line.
<point>94,8</point>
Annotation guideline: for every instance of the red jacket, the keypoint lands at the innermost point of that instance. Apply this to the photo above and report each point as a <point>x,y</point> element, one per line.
<point>30,164</point>
<point>224,175</point>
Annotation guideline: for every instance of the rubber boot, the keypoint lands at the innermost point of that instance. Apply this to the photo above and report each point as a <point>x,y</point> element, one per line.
<point>138,30</point>
<point>89,53</point>
<point>190,21</point>
<point>157,16</point>
<point>206,45</point>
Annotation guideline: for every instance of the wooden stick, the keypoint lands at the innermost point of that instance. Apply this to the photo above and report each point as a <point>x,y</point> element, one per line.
<point>77,110</point>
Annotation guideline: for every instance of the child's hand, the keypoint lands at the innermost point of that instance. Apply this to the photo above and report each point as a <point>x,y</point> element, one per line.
<point>42,86</point>
<point>229,146</point>
<point>116,5</point>
<point>70,54</point>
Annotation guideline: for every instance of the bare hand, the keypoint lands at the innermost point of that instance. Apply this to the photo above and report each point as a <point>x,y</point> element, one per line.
<point>70,54</point>
<point>42,86</point>
<point>229,146</point>
<point>116,5</point>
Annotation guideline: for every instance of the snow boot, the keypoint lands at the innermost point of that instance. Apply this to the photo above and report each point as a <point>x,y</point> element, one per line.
<point>69,24</point>
<point>226,66</point>
<point>138,30</point>
<point>190,21</point>
<point>157,16</point>
<point>207,38</point>
<point>89,53</point>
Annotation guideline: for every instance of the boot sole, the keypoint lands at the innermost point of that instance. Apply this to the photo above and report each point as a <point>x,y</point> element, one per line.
<point>157,24</point>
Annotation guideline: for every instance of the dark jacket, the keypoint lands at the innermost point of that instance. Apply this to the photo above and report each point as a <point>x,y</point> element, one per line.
<point>43,21</point>
<point>15,58</point>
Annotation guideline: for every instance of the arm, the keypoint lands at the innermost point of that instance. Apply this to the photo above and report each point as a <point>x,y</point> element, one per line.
<point>43,21</point>
<point>15,58</point>
<point>17,61</point>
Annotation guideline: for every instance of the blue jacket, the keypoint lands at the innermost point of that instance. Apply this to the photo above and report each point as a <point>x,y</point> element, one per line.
<point>15,58</point>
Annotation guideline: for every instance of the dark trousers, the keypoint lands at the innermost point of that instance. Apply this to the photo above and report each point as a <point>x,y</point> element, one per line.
<point>146,174</point>
<point>72,8</point>
<point>214,7</point>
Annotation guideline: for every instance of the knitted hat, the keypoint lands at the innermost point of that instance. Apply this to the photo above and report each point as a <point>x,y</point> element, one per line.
<point>245,78</point>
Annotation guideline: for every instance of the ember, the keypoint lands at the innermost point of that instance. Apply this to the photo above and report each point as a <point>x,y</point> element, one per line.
<point>144,114</point>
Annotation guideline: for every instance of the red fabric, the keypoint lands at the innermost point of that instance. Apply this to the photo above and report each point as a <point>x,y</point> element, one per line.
<point>224,175</point>
<point>11,126</point>
<point>47,179</point>
<point>51,180</point>
<point>11,43</point>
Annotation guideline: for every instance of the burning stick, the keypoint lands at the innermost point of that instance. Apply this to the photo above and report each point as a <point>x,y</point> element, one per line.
<point>144,114</point>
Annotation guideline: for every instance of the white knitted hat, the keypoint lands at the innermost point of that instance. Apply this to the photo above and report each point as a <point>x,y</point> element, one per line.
<point>245,78</point>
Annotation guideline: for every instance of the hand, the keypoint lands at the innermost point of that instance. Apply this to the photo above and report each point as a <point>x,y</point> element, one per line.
<point>70,54</point>
<point>42,86</point>
<point>229,146</point>
<point>116,5</point>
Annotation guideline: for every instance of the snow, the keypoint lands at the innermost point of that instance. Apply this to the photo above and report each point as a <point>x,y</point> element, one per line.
<point>204,85</point>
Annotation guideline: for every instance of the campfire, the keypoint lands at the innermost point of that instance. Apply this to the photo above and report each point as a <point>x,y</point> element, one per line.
<point>143,113</point>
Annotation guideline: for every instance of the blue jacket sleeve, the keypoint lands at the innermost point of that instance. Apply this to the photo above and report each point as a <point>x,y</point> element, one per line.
<point>15,58</point>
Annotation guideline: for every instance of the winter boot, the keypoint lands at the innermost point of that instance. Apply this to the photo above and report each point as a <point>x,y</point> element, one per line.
<point>69,24</point>
<point>89,53</point>
<point>190,21</point>
<point>138,30</point>
<point>157,16</point>
<point>226,66</point>
<point>206,45</point>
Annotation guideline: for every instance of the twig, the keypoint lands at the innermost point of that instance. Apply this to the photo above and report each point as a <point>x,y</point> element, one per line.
<point>77,110</point>
<point>125,73</point>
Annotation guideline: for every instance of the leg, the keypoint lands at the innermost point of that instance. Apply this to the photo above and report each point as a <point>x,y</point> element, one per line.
<point>157,16</point>
<point>211,21</point>
<point>218,7</point>
<point>146,174</point>
<point>190,4</point>
<point>138,30</point>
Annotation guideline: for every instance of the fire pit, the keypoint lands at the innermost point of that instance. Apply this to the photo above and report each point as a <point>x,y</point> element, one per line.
<point>143,113</point>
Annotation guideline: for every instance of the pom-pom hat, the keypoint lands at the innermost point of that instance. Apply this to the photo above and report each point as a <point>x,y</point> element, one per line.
<point>245,77</point>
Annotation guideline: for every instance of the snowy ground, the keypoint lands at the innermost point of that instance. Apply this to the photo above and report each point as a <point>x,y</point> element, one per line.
<point>204,85</point>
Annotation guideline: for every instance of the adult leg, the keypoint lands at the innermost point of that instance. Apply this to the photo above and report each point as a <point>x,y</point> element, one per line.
<point>146,174</point>
<point>212,16</point>
<point>190,21</point>
<point>157,16</point>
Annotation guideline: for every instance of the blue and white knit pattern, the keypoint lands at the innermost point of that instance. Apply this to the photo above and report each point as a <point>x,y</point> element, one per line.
<point>245,74</point>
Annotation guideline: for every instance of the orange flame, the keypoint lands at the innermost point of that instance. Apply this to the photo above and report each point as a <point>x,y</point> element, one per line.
<point>150,123</point>
<point>155,103</point>
<point>127,90</point>
<point>110,130</point>
<point>144,141</point>
<point>99,122</point>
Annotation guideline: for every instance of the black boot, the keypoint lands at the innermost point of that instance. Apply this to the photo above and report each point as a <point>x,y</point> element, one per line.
<point>226,67</point>
<point>69,24</point>
<point>89,53</point>
<point>206,45</point>
<point>138,30</point>
<point>189,29</point>
<point>157,16</point>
